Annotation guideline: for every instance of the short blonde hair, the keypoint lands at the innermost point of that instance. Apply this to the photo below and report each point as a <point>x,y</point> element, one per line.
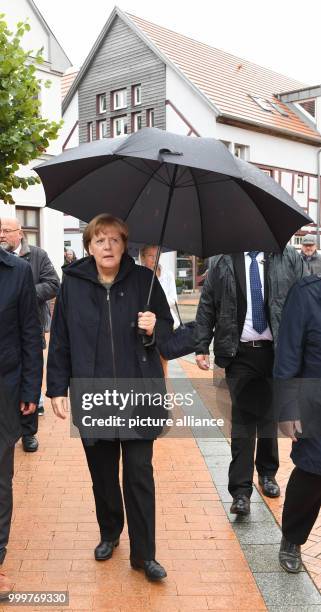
<point>99,223</point>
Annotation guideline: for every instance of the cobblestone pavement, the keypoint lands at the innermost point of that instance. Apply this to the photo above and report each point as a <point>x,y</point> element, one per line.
<point>54,532</point>
<point>312,549</point>
<point>213,562</point>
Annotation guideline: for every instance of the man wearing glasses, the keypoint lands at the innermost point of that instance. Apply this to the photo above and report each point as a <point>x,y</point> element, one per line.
<point>20,376</point>
<point>46,283</point>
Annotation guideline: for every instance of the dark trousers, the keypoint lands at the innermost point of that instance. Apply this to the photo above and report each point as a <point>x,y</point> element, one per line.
<point>249,381</point>
<point>6,476</point>
<point>29,423</point>
<point>138,489</point>
<point>301,505</point>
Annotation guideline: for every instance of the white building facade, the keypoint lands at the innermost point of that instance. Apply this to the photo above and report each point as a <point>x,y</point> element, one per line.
<point>43,227</point>
<point>265,118</point>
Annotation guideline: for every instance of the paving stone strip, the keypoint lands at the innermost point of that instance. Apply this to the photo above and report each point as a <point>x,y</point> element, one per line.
<point>259,533</point>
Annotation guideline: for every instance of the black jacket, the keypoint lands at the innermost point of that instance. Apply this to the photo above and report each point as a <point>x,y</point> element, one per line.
<point>298,370</point>
<point>219,313</point>
<point>20,341</point>
<point>93,337</point>
<point>45,277</point>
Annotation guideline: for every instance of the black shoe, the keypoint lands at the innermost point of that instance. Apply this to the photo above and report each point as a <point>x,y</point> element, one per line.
<point>153,570</point>
<point>30,444</point>
<point>241,505</point>
<point>290,556</point>
<point>105,549</point>
<point>269,486</point>
<point>41,410</point>
<point>3,552</point>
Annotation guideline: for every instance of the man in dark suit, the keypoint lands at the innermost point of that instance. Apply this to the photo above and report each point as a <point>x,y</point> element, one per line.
<point>298,394</point>
<point>47,284</point>
<point>20,370</point>
<point>241,305</point>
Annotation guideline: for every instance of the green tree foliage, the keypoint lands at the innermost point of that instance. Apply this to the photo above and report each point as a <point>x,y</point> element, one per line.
<point>24,134</point>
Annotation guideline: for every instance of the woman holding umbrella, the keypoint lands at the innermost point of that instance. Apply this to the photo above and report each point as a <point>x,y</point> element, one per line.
<point>94,335</point>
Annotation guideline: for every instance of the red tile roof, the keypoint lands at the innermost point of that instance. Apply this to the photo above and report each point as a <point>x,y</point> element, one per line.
<point>67,81</point>
<point>228,81</point>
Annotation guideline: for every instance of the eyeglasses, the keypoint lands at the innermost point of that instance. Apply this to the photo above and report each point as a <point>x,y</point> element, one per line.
<point>8,231</point>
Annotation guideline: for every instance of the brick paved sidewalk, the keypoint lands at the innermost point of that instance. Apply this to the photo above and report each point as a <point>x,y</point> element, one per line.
<point>312,549</point>
<point>54,533</point>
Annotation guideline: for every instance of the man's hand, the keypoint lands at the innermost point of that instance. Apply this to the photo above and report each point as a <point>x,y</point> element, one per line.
<point>147,321</point>
<point>60,406</point>
<point>27,407</point>
<point>203,361</point>
<point>289,428</point>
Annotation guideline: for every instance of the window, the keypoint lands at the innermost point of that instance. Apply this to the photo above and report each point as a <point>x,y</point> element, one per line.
<point>309,107</point>
<point>29,219</point>
<point>102,129</point>
<point>102,103</point>
<point>297,241</point>
<point>137,122</point>
<point>268,105</point>
<point>136,95</point>
<point>150,118</point>
<point>262,103</point>
<point>268,172</point>
<point>227,144</point>
<point>90,131</point>
<point>119,99</point>
<point>299,184</point>
<point>241,151</point>
<point>119,126</point>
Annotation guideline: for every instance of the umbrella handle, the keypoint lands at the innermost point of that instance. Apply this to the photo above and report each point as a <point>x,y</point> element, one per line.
<point>142,332</point>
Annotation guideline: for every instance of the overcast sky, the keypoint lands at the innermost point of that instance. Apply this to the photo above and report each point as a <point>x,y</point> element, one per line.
<point>281,34</point>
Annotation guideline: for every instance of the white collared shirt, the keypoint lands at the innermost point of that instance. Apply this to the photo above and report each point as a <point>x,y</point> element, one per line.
<point>167,281</point>
<point>248,333</point>
<point>18,249</point>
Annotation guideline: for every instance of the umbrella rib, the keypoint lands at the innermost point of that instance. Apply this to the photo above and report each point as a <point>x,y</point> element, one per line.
<point>178,184</point>
<point>199,201</point>
<point>168,175</point>
<point>158,179</point>
<point>150,177</point>
<point>262,215</point>
<point>207,183</point>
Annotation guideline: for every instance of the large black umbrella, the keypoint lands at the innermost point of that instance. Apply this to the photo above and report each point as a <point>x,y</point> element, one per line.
<point>212,202</point>
<point>188,194</point>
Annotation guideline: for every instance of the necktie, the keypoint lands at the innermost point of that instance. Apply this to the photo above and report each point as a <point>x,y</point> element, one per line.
<point>258,314</point>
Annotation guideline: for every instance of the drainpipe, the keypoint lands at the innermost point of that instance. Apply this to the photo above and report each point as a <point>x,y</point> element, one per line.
<point>318,198</point>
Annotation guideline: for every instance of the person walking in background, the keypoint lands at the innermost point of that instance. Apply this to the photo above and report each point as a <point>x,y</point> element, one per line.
<point>241,305</point>
<point>21,364</point>
<point>47,284</point>
<point>298,391</point>
<point>94,334</point>
<point>310,254</point>
<point>166,278</point>
<point>70,256</point>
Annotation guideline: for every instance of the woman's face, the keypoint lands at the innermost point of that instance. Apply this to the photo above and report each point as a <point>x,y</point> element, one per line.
<point>149,257</point>
<point>107,248</point>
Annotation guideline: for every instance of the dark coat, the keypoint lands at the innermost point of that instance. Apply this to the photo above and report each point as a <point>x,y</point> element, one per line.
<point>313,263</point>
<point>94,336</point>
<point>20,341</point>
<point>45,278</point>
<point>298,370</point>
<point>217,313</point>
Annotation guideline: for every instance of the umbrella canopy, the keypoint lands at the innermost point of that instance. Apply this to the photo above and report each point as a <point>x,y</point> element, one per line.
<point>188,194</point>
